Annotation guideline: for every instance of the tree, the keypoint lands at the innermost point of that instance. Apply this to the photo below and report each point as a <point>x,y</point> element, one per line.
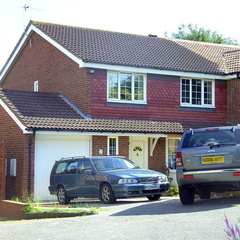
<point>201,34</point>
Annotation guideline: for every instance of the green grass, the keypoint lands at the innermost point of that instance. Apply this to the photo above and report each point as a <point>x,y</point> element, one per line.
<point>39,208</point>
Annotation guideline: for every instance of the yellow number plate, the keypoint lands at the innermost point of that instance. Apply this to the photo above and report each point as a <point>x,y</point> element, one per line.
<point>213,159</point>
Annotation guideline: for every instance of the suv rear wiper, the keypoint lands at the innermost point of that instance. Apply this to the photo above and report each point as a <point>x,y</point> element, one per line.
<point>211,145</point>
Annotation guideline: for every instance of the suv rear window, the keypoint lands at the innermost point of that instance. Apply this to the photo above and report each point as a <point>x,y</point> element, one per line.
<point>208,137</point>
<point>60,168</point>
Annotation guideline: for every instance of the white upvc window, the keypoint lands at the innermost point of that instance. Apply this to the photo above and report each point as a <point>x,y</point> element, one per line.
<point>35,88</point>
<point>197,92</point>
<point>126,87</point>
<point>112,146</point>
<point>171,149</point>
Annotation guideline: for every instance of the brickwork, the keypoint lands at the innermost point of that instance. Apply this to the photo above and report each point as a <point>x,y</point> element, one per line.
<point>54,71</point>
<point>2,171</point>
<point>12,210</point>
<point>157,161</point>
<point>16,146</point>
<point>233,101</point>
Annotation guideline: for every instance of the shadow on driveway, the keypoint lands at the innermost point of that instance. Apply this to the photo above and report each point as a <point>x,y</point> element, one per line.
<point>174,206</point>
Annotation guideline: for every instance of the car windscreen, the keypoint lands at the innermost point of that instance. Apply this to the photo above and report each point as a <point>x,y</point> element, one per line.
<point>211,137</point>
<point>104,164</point>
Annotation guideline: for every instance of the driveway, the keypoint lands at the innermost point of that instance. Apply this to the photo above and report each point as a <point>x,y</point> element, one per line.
<point>135,219</point>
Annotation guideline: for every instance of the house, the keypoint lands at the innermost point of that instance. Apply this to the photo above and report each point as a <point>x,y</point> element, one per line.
<point>68,91</point>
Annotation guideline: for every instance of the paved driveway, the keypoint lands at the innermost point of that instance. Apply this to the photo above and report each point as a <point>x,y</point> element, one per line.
<point>135,219</point>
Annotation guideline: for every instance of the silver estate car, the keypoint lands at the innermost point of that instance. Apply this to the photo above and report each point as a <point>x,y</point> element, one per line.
<point>106,178</point>
<point>208,160</point>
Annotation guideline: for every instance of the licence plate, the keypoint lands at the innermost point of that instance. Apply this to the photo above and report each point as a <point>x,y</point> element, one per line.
<point>152,186</point>
<point>213,159</point>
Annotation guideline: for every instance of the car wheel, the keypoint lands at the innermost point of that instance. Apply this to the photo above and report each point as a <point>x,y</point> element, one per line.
<point>186,195</point>
<point>154,197</point>
<point>62,196</point>
<point>106,194</point>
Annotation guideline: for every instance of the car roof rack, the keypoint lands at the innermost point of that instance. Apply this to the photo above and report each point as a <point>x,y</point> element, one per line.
<point>69,158</point>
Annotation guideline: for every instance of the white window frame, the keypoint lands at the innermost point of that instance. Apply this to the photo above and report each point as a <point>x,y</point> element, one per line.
<point>202,94</point>
<point>35,88</point>
<point>108,146</point>
<point>170,138</point>
<point>132,87</point>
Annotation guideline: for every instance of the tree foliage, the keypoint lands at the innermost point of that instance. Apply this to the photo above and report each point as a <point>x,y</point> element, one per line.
<point>195,33</point>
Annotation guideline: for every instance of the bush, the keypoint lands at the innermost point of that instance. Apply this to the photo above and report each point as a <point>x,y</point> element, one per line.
<point>172,191</point>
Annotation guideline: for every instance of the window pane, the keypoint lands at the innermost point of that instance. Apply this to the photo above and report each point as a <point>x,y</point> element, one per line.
<point>113,85</point>
<point>185,91</point>
<point>172,148</point>
<point>207,92</point>
<point>196,92</point>
<point>126,86</point>
<point>138,87</point>
<point>112,146</point>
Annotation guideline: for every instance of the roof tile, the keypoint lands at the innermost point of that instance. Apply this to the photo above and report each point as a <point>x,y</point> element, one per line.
<point>99,46</point>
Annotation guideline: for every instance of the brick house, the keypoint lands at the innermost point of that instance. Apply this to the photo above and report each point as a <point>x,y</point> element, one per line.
<point>69,91</point>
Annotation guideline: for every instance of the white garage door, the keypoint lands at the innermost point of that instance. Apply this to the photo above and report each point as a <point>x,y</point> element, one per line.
<point>48,149</point>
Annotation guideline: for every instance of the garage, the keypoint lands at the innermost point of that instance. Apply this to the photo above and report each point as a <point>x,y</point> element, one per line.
<point>49,148</point>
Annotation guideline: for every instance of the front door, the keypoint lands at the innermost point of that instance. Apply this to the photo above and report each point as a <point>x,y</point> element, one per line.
<point>137,152</point>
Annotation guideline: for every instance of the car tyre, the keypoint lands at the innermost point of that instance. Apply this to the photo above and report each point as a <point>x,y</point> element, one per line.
<point>106,194</point>
<point>154,197</point>
<point>62,196</point>
<point>186,195</point>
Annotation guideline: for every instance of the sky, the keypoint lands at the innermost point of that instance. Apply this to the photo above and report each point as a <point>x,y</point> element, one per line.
<point>129,16</point>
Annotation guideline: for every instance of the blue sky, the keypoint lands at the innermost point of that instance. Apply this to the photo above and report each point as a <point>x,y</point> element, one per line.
<point>130,16</point>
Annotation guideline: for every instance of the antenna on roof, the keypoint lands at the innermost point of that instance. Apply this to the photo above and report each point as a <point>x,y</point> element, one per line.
<point>26,7</point>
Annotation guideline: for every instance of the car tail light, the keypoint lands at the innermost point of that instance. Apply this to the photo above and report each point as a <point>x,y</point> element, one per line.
<point>188,176</point>
<point>179,162</point>
<point>236,174</point>
<point>212,129</point>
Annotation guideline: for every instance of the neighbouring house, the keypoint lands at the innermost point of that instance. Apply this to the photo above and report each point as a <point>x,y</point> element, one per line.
<point>68,91</point>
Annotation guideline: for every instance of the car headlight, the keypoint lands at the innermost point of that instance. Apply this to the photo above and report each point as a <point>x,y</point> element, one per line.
<point>162,178</point>
<point>127,180</point>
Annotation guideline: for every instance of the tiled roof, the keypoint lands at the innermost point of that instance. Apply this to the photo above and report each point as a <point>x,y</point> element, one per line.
<point>51,111</point>
<point>106,47</point>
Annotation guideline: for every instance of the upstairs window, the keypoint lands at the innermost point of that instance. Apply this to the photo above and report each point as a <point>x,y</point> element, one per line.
<point>197,92</point>
<point>126,87</point>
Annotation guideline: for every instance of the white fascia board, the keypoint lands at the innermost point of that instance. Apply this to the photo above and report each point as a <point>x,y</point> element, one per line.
<point>61,133</point>
<point>15,119</point>
<point>157,71</point>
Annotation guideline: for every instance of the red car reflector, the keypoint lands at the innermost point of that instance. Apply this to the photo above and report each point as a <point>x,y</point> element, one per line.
<point>236,174</point>
<point>188,176</point>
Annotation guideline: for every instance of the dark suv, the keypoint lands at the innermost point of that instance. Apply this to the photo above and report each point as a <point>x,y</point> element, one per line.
<point>106,178</point>
<point>208,160</point>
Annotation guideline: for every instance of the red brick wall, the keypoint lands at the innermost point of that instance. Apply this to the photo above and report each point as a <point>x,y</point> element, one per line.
<point>233,101</point>
<point>16,146</point>
<point>157,162</point>
<point>12,210</point>
<point>54,70</point>
<point>2,171</point>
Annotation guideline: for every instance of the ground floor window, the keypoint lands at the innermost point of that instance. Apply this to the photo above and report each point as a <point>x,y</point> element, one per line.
<point>112,146</point>
<point>172,144</point>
